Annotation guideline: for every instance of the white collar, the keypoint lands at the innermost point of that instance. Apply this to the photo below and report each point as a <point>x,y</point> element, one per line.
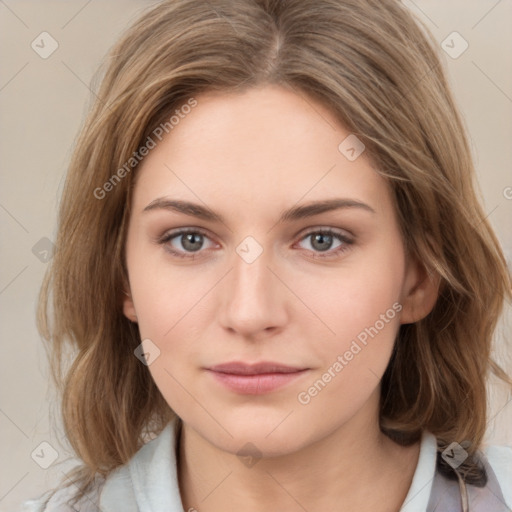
<point>421,485</point>
<point>149,482</point>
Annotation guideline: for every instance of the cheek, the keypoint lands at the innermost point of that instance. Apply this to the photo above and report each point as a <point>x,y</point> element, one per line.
<point>360,312</point>
<point>174,308</point>
<point>354,358</point>
<point>362,295</point>
<point>166,295</point>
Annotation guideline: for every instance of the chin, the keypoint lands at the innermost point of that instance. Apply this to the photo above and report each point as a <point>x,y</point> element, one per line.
<point>266,436</point>
<point>260,447</point>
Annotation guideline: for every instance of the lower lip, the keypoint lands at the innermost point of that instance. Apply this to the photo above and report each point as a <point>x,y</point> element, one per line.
<point>256,384</point>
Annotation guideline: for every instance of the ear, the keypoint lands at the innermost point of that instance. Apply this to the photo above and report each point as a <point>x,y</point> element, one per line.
<point>129,307</point>
<point>420,292</point>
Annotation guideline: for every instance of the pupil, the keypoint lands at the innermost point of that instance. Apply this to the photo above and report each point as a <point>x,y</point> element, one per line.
<point>192,241</point>
<point>324,240</point>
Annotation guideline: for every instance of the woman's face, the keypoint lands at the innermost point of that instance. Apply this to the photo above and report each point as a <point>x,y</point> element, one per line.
<point>292,256</point>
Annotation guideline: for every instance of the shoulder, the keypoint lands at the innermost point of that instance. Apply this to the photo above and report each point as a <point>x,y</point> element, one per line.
<point>149,464</point>
<point>154,462</point>
<point>500,460</point>
<point>63,500</point>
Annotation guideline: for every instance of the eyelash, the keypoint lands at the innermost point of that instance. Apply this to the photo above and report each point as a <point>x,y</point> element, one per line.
<point>346,242</point>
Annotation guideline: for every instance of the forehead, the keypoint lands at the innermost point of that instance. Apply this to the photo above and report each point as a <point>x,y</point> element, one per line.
<point>266,146</point>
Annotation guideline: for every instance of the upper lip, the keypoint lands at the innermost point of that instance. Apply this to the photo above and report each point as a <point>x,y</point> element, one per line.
<point>239,368</point>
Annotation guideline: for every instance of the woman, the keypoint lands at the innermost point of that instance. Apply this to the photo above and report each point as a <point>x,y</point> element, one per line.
<point>275,270</point>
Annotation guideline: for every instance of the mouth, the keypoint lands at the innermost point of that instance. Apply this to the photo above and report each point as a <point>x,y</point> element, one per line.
<point>255,379</point>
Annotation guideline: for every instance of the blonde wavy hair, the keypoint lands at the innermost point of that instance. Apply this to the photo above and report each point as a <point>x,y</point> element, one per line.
<point>377,69</point>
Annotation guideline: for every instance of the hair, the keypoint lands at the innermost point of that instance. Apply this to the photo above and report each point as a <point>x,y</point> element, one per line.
<point>376,68</point>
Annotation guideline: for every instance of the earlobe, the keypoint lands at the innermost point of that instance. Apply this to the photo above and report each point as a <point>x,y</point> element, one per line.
<point>129,307</point>
<point>420,293</point>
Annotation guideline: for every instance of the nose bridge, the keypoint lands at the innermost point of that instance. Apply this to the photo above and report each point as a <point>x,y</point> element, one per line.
<point>251,279</point>
<point>252,300</point>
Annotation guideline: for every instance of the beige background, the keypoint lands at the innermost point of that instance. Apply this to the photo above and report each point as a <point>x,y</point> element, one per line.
<point>43,102</point>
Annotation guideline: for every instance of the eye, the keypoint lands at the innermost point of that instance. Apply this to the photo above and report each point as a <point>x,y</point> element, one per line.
<point>185,242</point>
<point>322,240</point>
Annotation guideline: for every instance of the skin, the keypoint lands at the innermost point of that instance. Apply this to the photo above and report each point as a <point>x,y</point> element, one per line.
<point>249,157</point>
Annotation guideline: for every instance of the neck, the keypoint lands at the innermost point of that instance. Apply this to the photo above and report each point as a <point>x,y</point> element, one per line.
<point>355,467</point>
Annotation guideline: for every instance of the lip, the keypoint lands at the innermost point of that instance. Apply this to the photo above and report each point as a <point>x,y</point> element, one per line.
<point>256,378</point>
<point>240,368</point>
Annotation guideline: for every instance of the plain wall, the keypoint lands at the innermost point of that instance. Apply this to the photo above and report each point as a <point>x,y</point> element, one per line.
<point>43,103</point>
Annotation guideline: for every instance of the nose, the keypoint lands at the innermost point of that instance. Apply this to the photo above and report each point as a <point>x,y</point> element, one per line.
<point>254,301</point>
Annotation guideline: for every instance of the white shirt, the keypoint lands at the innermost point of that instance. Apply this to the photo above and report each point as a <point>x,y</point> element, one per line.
<point>149,481</point>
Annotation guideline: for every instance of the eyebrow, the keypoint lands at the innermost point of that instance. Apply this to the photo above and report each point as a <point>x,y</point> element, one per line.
<point>295,213</point>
